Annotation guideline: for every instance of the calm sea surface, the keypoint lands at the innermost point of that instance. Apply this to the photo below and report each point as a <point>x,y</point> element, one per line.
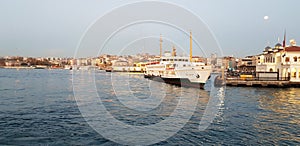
<point>39,107</point>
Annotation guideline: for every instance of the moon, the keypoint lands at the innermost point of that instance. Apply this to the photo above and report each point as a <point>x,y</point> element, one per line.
<point>266,17</point>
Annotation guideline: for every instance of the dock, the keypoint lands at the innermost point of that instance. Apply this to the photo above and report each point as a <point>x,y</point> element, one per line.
<point>253,83</point>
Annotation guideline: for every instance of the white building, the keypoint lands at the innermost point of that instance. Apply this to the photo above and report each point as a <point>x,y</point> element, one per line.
<point>285,61</point>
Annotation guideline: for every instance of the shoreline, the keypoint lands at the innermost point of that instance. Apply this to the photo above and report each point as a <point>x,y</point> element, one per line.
<point>16,67</point>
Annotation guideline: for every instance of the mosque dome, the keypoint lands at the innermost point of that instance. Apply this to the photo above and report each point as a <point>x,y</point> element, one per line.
<point>267,48</point>
<point>278,45</point>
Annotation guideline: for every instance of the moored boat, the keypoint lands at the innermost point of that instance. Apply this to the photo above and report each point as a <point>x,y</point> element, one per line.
<point>108,69</point>
<point>180,71</point>
<point>40,67</point>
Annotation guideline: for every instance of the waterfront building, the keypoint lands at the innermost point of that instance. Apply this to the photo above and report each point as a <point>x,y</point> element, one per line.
<point>281,60</point>
<point>247,64</point>
<point>229,63</point>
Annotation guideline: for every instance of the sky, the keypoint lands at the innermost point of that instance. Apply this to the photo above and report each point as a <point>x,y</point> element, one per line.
<point>60,27</point>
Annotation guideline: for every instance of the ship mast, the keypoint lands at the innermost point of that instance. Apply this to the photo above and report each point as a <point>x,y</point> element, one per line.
<point>174,51</point>
<point>191,46</point>
<point>160,46</point>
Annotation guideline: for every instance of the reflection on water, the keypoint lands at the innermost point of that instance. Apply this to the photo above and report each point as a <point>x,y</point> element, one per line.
<point>284,101</point>
<point>125,119</point>
<point>37,107</point>
<point>282,110</point>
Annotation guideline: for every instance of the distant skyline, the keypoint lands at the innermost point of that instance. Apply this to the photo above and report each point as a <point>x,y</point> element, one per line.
<point>54,28</point>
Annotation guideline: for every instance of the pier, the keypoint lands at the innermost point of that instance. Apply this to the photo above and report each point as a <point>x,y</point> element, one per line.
<point>254,83</point>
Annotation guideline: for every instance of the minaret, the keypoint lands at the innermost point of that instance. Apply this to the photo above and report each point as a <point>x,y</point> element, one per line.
<point>283,43</point>
<point>160,46</point>
<point>191,46</point>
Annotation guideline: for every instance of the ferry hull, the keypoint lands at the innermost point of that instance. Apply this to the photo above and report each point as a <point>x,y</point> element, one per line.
<point>181,82</point>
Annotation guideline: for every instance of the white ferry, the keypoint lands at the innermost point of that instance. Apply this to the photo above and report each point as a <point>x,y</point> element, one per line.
<point>180,71</point>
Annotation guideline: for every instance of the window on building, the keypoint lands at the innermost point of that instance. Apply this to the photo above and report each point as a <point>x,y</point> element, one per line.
<point>287,59</point>
<point>295,59</point>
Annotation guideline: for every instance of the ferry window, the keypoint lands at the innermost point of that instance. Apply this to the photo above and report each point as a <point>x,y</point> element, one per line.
<point>168,59</point>
<point>164,59</point>
<point>295,59</point>
<point>171,59</point>
<point>186,60</point>
<point>184,65</point>
<point>287,59</point>
<point>175,59</point>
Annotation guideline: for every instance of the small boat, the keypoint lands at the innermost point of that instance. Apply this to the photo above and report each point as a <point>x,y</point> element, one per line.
<point>108,69</point>
<point>68,67</point>
<point>40,67</point>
